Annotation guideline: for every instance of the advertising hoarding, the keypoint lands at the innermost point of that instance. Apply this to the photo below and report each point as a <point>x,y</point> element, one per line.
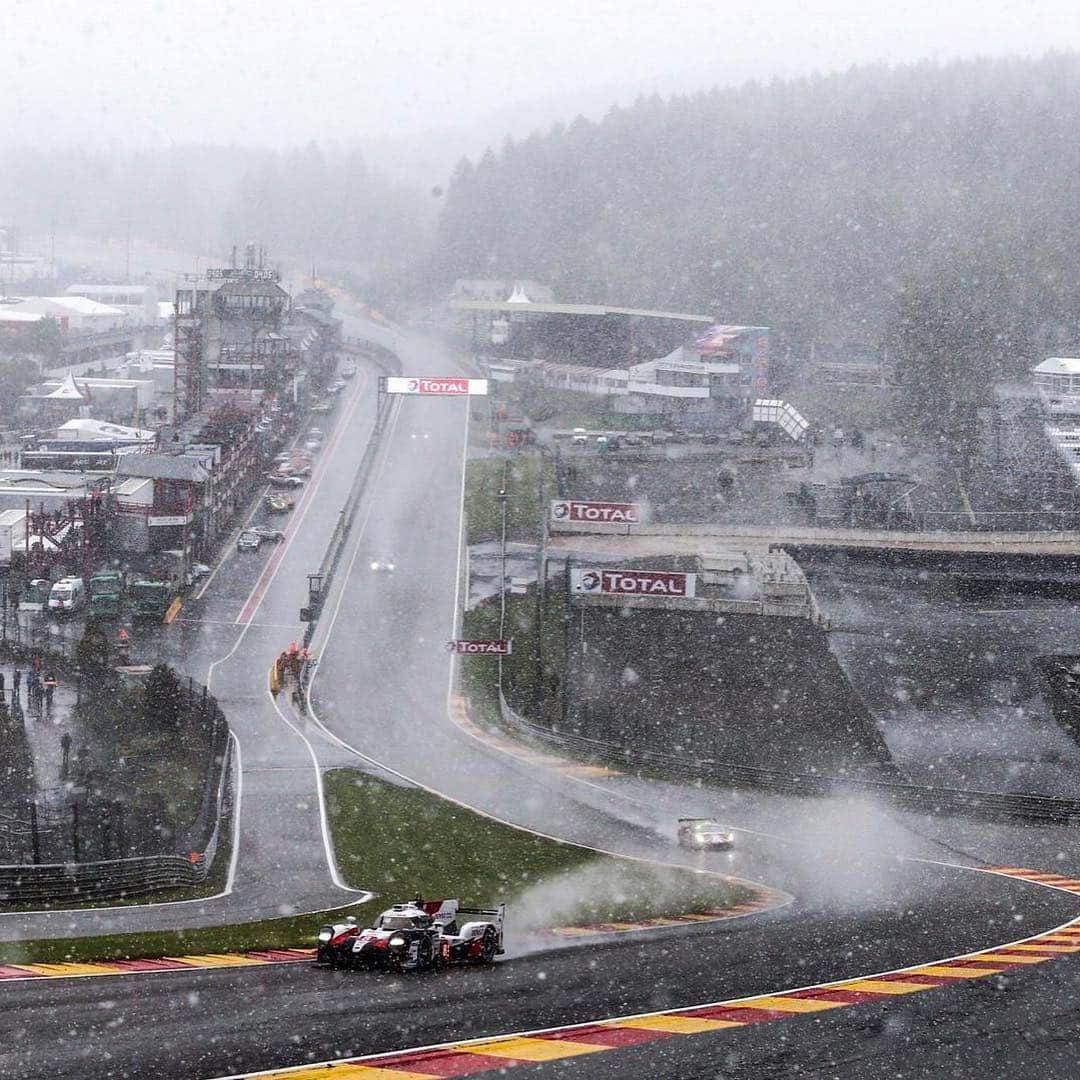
<point>601,582</point>
<point>436,385</point>
<point>496,647</point>
<point>595,512</point>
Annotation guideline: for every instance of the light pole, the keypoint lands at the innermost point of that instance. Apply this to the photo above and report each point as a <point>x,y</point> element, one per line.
<point>503,497</point>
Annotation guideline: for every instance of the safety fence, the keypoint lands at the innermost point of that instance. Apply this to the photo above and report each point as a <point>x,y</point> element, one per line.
<point>389,363</point>
<point>987,804</point>
<point>189,865</point>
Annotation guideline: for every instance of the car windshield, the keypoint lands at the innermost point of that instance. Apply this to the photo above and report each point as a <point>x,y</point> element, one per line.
<point>606,472</point>
<point>400,922</point>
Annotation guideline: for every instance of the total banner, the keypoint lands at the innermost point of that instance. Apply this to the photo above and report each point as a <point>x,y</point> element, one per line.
<point>437,386</point>
<point>632,583</point>
<point>596,512</point>
<point>497,647</point>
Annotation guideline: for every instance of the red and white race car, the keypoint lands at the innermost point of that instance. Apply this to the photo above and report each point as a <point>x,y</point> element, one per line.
<point>416,936</point>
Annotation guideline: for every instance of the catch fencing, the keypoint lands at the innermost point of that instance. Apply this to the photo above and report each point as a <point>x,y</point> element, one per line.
<point>103,879</point>
<point>987,804</point>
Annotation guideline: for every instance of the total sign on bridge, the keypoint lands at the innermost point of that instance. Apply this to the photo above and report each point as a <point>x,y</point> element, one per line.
<point>438,386</point>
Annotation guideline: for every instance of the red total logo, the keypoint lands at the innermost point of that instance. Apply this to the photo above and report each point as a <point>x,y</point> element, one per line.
<point>633,582</point>
<point>442,386</point>
<point>599,512</point>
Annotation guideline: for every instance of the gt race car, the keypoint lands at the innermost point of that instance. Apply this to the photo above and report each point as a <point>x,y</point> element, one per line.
<point>415,936</point>
<point>701,834</point>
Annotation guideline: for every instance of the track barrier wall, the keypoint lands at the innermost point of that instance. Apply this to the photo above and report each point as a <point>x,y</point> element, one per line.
<point>986,804</point>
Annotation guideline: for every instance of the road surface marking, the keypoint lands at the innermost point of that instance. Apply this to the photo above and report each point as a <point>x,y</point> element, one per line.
<point>445,1059</point>
<point>18,972</point>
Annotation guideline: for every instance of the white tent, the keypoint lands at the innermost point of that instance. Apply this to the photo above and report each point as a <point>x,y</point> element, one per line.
<point>85,429</point>
<point>67,390</point>
<point>518,295</point>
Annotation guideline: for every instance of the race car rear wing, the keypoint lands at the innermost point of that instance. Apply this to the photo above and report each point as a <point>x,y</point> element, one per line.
<point>498,914</point>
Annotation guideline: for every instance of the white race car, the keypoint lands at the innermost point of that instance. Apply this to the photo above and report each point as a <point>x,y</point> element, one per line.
<point>701,834</point>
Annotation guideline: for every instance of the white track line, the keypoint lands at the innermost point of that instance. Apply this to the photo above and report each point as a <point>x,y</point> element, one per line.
<point>328,845</point>
<point>342,744</point>
<point>372,1061</point>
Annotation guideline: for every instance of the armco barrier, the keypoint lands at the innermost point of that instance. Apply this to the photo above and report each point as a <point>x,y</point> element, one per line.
<point>72,883</point>
<point>77,882</point>
<point>988,804</point>
<point>389,362</point>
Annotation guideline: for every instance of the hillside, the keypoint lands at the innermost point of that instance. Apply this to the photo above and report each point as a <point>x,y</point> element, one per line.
<point>834,209</point>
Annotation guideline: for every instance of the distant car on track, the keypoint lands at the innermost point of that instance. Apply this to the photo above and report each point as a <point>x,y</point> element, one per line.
<point>382,566</point>
<point>415,936</point>
<point>701,834</point>
<point>348,370</point>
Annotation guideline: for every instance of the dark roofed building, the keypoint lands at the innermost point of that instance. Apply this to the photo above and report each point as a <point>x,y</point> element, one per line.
<point>162,467</point>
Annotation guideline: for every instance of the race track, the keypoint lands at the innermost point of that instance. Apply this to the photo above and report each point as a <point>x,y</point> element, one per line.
<point>874,891</point>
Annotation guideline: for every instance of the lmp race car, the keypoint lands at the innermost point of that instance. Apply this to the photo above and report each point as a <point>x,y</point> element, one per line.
<point>701,834</point>
<point>415,936</point>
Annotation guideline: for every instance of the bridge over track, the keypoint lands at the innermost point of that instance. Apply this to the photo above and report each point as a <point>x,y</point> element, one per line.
<point>689,539</point>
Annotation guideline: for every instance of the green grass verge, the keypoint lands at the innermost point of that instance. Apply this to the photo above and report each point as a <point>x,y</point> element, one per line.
<point>422,844</point>
<point>425,845</point>
<point>398,842</point>
<point>527,496</point>
<point>524,666</point>
<point>290,931</point>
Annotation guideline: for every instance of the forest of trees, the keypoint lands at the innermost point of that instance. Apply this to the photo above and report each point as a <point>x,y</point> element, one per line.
<point>924,208</point>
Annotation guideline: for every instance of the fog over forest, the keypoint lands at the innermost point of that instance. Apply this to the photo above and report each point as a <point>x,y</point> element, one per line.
<point>849,212</point>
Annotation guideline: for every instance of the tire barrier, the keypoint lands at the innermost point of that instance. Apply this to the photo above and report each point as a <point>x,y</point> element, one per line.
<point>987,804</point>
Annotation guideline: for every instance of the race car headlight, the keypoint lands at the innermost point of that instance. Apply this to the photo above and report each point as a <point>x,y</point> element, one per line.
<point>397,942</point>
<point>325,935</point>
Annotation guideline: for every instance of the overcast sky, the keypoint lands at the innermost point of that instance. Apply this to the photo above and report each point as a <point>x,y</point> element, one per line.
<point>147,71</point>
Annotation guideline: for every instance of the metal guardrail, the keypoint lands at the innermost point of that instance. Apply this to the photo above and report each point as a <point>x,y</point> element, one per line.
<point>390,363</point>
<point>77,882</point>
<point>989,804</point>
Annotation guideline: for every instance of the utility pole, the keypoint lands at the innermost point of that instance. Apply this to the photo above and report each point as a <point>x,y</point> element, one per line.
<point>503,496</point>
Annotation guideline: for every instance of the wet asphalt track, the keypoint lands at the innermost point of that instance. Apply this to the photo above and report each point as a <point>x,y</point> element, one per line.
<point>857,911</point>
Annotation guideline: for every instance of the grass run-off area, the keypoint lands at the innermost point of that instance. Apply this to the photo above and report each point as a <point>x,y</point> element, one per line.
<point>528,493</point>
<point>397,842</point>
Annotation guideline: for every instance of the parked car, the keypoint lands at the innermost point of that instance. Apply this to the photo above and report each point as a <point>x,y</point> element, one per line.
<point>249,540</point>
<point>67,595</point>
<point>198,571</point>
<point>285,481</point>
<point>279,504</point>
<point>265,532</point>
<point>580,437</point>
